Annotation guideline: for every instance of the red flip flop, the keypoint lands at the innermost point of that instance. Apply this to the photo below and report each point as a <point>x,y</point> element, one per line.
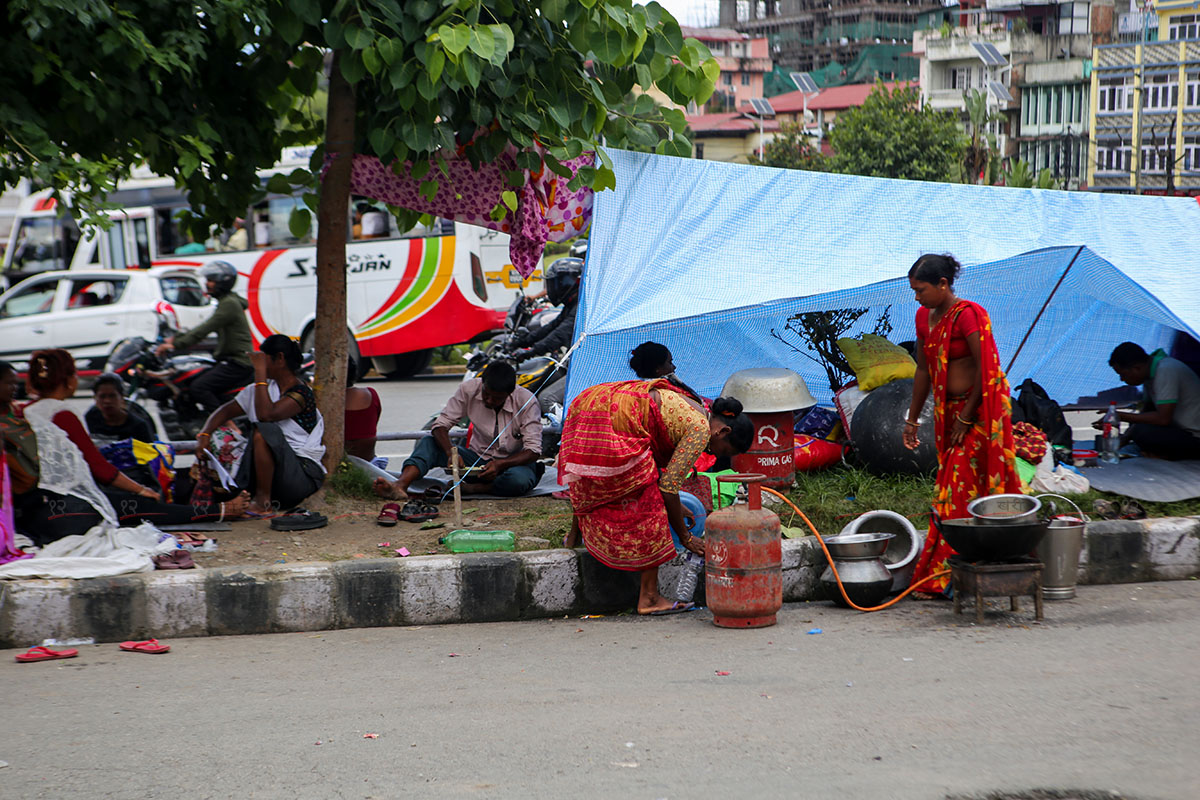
<point>148,646</point>
<point>40,653</point>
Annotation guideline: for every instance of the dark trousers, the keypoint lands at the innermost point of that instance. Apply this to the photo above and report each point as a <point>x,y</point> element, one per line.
<point>294,477</point>
<point>512,482</point>
<point>1165,441</point>
<point>47,517</point>
<point>207,389</point>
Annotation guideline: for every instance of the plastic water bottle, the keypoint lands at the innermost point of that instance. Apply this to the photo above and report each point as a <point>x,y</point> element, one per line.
<point>689,576</point>
<point>479,541</point>
<point>1111,436</point>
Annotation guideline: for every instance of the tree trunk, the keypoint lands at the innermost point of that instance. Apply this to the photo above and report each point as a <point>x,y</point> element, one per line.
<point>332,215</point>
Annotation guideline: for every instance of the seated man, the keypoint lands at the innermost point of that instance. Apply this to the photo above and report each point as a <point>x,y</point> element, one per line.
<point>1169,425</point>
<point>111,418</point>
<point>507,438</point>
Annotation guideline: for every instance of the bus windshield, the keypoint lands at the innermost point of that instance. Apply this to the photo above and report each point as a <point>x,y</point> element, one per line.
<point>41,244</point>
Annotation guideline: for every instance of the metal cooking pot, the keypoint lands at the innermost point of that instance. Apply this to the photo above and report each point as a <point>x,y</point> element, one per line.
<point>1005,509</point>
<point>853,546</point>
<point>976,540</point>
<point>768,389</point>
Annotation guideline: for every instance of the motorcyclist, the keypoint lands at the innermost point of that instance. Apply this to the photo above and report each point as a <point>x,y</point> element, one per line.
<point>562,288</point>
<point>233,369</point>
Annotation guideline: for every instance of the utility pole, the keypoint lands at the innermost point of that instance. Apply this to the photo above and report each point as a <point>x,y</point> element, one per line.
<point>1138,93</point>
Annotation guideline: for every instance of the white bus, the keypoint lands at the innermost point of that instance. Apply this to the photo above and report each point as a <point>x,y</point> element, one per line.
<point>407,293</point>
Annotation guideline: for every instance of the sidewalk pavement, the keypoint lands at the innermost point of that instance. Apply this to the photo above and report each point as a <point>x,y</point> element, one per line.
<point>423,590</point>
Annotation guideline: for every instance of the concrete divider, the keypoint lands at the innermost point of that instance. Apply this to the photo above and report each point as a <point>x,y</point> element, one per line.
<point>482,587</point>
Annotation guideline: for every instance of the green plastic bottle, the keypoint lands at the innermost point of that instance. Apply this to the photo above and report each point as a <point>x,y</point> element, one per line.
<point>479,541</point>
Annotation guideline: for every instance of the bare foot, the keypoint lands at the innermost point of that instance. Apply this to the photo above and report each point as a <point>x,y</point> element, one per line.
<point>662,605</point>
<point>386,489</point>
<point>232,509</point>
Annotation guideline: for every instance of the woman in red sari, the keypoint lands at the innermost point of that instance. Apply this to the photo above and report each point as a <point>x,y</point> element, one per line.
<point>957,359</point>
<point>626,448</point>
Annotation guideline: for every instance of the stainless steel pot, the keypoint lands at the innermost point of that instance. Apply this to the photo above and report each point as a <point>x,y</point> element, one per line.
<point>768,390</point>
<point>1005,509</point>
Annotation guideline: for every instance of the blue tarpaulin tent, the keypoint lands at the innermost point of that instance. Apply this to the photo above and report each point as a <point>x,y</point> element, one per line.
<point>711,259</point>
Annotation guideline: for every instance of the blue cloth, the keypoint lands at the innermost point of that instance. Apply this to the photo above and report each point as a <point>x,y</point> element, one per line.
<point>691,505</point>
<point>726,253</point>
<point>512,482</point>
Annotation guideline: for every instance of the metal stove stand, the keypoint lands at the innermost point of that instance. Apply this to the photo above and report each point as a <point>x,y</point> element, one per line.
<point>1010,579</point>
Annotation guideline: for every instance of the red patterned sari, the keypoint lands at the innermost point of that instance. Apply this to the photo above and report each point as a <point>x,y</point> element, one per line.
<point>984,462</point>
<point>615,441</point>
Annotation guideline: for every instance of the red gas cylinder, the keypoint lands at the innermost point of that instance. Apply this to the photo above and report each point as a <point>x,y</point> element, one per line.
<point>773,452</point>
<point>744,561</point>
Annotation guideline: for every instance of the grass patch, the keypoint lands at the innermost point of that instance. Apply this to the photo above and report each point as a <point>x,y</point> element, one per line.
<point>350,481</point>
<point>833,498</point>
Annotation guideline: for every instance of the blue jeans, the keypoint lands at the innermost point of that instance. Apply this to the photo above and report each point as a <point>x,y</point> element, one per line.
<point>512,482</point>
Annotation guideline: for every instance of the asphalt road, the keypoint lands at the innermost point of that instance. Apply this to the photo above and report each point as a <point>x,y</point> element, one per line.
<point>908,703</point>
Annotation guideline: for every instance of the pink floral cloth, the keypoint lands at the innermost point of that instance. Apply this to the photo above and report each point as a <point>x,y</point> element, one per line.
<point>8,549</point>
<point>546,209</point>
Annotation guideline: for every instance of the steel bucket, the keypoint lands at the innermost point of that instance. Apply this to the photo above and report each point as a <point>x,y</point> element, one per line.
<point>1059,550</point>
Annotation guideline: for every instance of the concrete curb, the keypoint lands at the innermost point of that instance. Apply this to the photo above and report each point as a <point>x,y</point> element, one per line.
<point>483,587</point>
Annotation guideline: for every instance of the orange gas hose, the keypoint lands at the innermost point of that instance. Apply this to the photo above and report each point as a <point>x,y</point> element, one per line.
<point>833,566</point>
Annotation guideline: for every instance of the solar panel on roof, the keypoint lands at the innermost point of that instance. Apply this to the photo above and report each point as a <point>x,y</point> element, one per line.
<point>1000,91</point>
<point>804,82</point>
<point>988,54</point>
<point>762,107</point>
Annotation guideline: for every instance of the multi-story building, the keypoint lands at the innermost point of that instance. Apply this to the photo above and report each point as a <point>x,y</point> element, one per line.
<point>1145,114</point>
<point>743,61</point>
<point>839,41</point>
<point>1033,64</point>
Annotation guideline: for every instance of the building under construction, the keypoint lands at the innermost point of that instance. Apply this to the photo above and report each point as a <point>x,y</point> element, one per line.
<point>838,41</point>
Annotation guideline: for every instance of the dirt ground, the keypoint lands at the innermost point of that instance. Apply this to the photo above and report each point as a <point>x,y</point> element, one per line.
<point>538,522</point>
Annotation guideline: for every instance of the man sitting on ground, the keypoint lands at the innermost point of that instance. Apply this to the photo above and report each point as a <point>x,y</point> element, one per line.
<point>507,438</point>
<point>1169,425</point>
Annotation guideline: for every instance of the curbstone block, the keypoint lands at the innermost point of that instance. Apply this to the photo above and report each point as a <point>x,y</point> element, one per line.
<point>491,585</point>
<point>550,582</point>
<point>1173,548</point>
<point>303,600</point>
<point>1115,551</point>
<point>604,589</point>
<point>238,602</point>
<point>176,603</point>
<point>368,594</point>
<point>34,610</point>
<point>431,589</point>
<point>110,609</point>
<point>803,563</point>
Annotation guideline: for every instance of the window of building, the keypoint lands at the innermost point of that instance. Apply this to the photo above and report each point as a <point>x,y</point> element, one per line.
<point>1193,90</point>
<point>1074,18</point>
<point>960,78</point>
<point>1058,104</point>
<point>1191,153</point>
<point>727,78</point>
<point>1113,157</point>
<point>745,79</point>
<point>698,149</point>
<point>1116,94</point>
<point>1047,102</point>
<point>716,48</point>
<point>1186,26</point>
<point>1160,92</point>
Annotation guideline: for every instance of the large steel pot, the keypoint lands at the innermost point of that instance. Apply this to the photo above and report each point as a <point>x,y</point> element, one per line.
<point>768,390</point>
<point>1005,509</point>
<point>769,396</point>
<point>982,541</point>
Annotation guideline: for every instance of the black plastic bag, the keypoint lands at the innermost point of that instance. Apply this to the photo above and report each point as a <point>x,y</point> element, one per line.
<point>1034,406</point>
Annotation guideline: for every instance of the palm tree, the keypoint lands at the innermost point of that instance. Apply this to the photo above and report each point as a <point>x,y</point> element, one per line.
<point>980,155</point>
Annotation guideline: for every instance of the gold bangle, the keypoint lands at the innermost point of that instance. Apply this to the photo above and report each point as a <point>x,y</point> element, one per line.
<point>963,421</point>
<point>910,422</point>
<point>260,383</point>
<point>203,433</point>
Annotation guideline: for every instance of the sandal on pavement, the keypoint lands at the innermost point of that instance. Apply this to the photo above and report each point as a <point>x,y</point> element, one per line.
<point>299,520</point>
<point>40,653</point>
<point>418,511</point>
<point>676,608</point>
<point>435,493</point>
<point>147,646</point>
<point>389,515</point>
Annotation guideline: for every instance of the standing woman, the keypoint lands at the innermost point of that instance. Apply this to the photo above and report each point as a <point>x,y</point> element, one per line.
<point>626,448</point>
<point>958,360</point>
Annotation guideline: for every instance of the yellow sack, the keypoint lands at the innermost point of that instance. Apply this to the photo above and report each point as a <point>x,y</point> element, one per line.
<point>876,361</point>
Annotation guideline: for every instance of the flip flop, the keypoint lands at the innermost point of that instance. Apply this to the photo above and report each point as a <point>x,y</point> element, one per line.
<point>148,646</point>
<point>418,511</point>
<point>389,515</point>
<point>678,607</point>
<point>40,653</point>
<point>435,493</point>
<point>301,520</point>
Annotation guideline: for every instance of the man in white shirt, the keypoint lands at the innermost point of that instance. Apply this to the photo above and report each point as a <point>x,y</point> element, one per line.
<point>506,440</point>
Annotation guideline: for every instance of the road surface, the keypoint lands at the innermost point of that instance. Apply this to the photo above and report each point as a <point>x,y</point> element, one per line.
<point>911,703</point>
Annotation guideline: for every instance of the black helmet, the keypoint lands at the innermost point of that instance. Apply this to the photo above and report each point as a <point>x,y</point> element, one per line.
<point>562,280</point>
<point>222,274</point>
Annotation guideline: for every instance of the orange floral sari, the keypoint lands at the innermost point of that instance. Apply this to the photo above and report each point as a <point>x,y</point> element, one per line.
<point>985,461</point>
<point>615,441</point>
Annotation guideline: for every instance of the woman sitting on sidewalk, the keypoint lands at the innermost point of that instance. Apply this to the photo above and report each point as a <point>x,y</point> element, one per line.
<point>77,488</point>
<point>282,464</point>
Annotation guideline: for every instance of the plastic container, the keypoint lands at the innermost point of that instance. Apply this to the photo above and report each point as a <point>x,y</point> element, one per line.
<point>689,577</point>
<point>479,541</point>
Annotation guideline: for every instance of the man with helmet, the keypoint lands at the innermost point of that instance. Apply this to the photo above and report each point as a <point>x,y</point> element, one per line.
<point>562,288</point>
<point>233,369</point>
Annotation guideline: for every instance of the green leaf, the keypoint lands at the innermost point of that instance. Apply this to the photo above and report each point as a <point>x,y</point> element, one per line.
<point>674,118</point>
<point>711,69</point>
<point>437,61</point>
<point>455,39</point>
<point>381,140</point>
<point>428,189</point>
<point>299,222</point>
<point>389,49</point>
<point>555,10</point>
<point>290,27</point>
<point>420,169</point>
<point>504,39</point>
<point>509,198</point>
<point>574,148</point>
<point>471,70</point>
<point>483,43</point>
<point>372,60</point>
<point>689,56</point>
<point>660,65</point>
<point>401,73</point>
<point>312,200</point>
<point>189,162</point>
<point>279,184</point>
<point>643,105</point>
<point>352,67</point>
<point>644,78</point>
<point>307,10</point>
<point>335,35</point>
<point>559,115</point>
<point>605,179</point>
<point>358,38</point>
